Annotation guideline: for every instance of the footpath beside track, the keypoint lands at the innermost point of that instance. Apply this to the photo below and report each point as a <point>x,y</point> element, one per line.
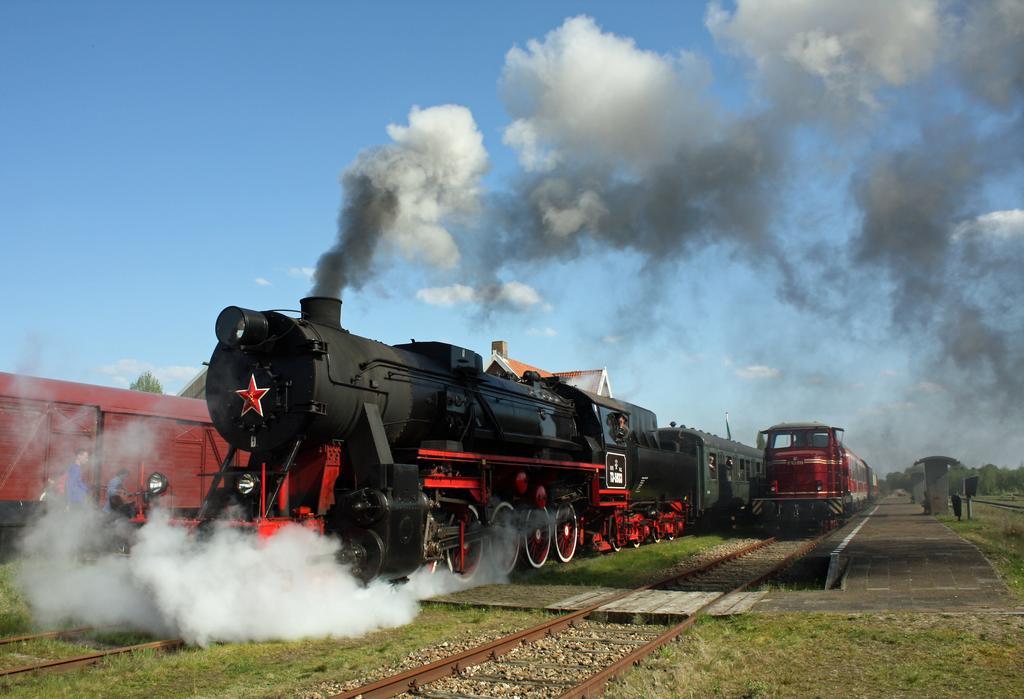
<point>574,655</point>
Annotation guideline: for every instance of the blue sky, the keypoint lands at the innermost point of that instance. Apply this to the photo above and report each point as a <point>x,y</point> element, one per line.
<point>159,162</point>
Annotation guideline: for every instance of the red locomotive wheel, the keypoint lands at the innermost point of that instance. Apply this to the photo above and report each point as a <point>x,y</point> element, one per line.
<point>504,541</point>
<point>566,532</point>
<point>537,537</point>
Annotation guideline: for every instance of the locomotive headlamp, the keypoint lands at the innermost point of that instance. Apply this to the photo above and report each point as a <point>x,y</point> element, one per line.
<point>157,483</point>
<point>817,486</point>
<point>247,483</point>
<point>240,326</point>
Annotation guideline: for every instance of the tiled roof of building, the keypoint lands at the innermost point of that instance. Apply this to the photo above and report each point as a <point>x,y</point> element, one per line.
<point>522,367</point>
<point>593,380</point>
<point>587,379</point>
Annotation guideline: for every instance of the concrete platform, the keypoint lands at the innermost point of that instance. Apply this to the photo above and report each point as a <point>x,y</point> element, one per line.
<point>901,559</point>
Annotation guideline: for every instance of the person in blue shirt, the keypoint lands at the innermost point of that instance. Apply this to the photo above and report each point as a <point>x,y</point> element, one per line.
<point>116,500</point>
<point>75,489</point>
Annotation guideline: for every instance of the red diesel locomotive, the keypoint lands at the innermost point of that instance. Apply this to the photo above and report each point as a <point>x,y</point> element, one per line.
<point>811,477</point>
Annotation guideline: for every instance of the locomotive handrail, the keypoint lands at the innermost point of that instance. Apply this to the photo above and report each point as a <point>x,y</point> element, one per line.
<point>216,481</point>
<point>280,481</point>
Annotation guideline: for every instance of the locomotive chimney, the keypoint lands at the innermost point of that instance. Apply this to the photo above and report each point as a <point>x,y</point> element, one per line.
<point>325,310</point>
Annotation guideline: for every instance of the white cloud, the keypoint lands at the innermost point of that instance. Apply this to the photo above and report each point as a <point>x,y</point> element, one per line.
<point>124,371</point>
<point>542,332</point>
<point>447,295</point>
<point>1003,225</point>
<point>929,387</point>
<point>516,294</point>
<point>260,281</point>
<point>301,272</point>
<point>887,373</point>
<point>513,295</point>
<point>758,371</point>
<point>611,339</point>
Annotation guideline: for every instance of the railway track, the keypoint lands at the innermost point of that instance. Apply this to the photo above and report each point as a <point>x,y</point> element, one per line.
<point>571,655</point>
<point>729,575</point>
<point>45,634</point>
<point>1001,505</point>
<point>74,662</point>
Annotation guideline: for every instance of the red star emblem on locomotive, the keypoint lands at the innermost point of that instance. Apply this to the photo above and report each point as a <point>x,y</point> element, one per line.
<point>252,397</point>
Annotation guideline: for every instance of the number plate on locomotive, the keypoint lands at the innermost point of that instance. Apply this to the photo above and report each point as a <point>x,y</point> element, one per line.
<point>615,470</point>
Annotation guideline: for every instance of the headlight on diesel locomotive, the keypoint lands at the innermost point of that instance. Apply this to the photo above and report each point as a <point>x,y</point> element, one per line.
<point>157,484</point>
<point>247,483</point>
<point>240,326</point>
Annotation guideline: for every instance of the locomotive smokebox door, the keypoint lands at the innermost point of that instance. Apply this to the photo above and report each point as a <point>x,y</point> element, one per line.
<point>615,470</point>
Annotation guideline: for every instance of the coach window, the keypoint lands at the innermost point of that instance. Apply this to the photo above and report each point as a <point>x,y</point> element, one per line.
<point>728,468</point>
<point>712,463</point>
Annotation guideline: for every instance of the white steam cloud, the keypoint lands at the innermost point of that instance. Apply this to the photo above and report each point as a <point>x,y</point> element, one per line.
<point>585,93</point>
<point>231,586</point>
<point>831,54</point>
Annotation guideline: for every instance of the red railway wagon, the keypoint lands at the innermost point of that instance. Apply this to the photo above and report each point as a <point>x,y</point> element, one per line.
<point>43,422</point>
<point>811,477</point>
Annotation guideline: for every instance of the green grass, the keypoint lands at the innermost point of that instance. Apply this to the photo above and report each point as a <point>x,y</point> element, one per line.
<point>627,568</point>
<point>1000,536</point>
<point>257,669</point>
<point>837,655</point>
<point>15,617</point>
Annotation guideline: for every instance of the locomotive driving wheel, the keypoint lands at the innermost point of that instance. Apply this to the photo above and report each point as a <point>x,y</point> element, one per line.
<point>504,539</point>
<point>566,532</point>
<point>472,549</point>
<point>537,537</point>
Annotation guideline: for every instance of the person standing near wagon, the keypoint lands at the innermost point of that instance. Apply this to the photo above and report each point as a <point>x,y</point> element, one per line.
<point>116,501</point>
<point>75,490</point>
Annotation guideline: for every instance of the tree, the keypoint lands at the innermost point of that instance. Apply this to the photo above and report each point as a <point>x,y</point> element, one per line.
<point>147,383</point>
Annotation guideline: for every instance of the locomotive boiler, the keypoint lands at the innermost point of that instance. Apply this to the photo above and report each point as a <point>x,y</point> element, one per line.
<point>412,454</point>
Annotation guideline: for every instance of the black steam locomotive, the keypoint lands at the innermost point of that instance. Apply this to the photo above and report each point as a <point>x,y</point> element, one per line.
<point>413,455</point>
